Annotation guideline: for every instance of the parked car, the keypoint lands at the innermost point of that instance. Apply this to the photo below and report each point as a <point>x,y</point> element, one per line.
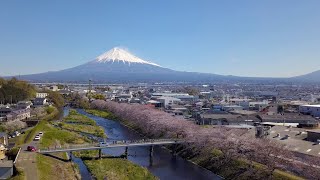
<point>101,144</point>
<point>31,148</point>
<point>37,138</point>
<point>40,133</point>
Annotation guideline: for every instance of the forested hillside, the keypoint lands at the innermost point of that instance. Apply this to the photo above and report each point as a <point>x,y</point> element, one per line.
<point>15,90</point>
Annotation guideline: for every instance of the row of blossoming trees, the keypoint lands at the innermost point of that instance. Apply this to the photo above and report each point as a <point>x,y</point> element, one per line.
<point>233,153</point>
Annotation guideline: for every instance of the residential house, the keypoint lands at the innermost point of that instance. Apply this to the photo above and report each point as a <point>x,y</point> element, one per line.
<point>24,104</point>
<point>40,101</point>
<point>10,114</point>
<point>18,114</point>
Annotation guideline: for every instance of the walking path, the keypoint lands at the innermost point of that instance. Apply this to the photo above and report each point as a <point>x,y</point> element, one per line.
<point>27,162</point>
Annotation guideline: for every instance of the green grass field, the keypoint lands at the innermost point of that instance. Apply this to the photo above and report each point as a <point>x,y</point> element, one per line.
<point>117,169</point>
<point>50,168</point>
<point>113,168</point>
<point>75,117</point>
<point>94,130</point>
<point>81,123</point>
<point>54,136</point>
<point>99,113</point>
<point>19,176</point>
<point>29,135</point>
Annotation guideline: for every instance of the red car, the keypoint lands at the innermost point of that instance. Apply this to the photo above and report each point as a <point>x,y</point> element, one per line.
<point>31,148</point>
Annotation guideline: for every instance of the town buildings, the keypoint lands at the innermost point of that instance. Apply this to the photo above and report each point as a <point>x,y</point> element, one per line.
<point>10,114</point>
<point>313,110</point>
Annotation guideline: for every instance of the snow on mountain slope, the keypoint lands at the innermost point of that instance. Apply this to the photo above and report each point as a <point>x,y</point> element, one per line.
<point>118,65</point>
<point>120,55</point>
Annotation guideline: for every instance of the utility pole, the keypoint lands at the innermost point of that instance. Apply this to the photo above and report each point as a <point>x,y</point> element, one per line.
<point>90,88</point>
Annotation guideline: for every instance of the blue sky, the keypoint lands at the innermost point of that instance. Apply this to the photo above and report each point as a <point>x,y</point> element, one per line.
<point>275,38</point>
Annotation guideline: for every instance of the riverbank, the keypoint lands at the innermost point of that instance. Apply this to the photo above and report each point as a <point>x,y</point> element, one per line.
<point>113,167</point>
<point>57,166</point>
<point>117,169</point>
<point>111,116</point>
<point>228,168</point>
<point>56,135</point>
<point>80,124</point>
<point>36,166</point>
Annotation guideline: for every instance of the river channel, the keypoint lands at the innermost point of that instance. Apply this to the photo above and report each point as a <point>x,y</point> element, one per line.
<point>163,165</point>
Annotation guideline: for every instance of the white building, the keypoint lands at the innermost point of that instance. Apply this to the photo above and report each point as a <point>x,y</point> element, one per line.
<point>54,88</point>
<point>253,105</point>
<point>166,101</point>
<point>41,95</point>
<point>181,96</point>
<point>313,110</point>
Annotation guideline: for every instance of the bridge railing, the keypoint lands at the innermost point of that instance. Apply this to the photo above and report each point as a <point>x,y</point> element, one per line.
<point>114,142</point>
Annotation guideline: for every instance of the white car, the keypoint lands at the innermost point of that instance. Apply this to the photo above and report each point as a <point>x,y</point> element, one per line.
<point>40,133</point>
<point>37,138</point>
<point>101,144</point>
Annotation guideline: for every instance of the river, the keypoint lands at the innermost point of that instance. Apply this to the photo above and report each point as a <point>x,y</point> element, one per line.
<point>163,165</point>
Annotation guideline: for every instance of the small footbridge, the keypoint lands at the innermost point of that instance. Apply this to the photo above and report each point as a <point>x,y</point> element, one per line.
<point>113,144</point>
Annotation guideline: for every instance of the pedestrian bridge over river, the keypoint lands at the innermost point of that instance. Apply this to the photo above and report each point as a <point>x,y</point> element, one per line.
<point>113,144</point>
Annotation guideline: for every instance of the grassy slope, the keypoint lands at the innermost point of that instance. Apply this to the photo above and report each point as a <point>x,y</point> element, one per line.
<point>54,136</point>
<point>19,176</point>
<point>117,169</point>
<point>50,168</point>
<point>29,135</point>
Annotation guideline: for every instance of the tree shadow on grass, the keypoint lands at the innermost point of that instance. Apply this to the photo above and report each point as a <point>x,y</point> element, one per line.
<point>56,157</point>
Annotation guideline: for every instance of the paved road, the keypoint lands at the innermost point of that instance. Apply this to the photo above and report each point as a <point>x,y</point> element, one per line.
<point>27,162</point>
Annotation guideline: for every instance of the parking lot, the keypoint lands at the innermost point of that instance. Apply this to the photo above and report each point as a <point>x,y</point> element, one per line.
<point>296,140</point>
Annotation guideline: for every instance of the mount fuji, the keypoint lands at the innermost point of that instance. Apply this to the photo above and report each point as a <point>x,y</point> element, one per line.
<point>118,65</point>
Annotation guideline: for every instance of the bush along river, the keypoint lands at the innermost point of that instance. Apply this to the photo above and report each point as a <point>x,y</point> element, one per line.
<point>163,164</point>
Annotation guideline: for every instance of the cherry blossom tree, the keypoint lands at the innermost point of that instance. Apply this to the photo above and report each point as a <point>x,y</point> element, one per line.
<point>234,144</point>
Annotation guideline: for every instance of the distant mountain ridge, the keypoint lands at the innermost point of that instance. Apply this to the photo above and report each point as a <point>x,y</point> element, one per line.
<point>311,77</point>
<point>118,65</point>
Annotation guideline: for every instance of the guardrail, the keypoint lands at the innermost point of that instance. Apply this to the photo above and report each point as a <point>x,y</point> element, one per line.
<point>15,160</point>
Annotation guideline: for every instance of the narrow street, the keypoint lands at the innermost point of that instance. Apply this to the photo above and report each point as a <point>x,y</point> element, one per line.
<point>27,161</point>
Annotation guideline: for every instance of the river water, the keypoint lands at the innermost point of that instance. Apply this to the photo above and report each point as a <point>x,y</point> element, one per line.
<point>163,165</point>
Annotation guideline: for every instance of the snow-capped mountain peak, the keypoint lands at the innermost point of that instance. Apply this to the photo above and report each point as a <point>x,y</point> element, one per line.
<point>120,55</point>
